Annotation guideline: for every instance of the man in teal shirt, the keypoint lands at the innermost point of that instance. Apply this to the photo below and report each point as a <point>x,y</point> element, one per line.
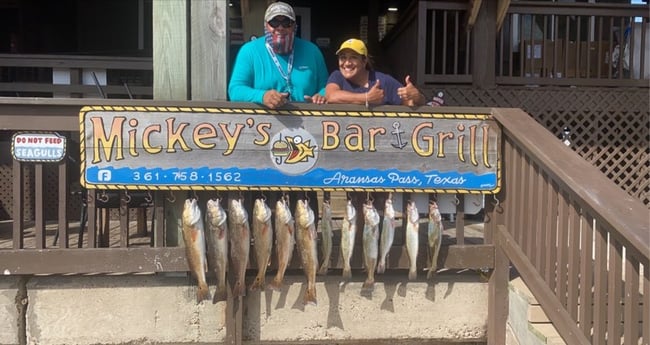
<point>280,67</point>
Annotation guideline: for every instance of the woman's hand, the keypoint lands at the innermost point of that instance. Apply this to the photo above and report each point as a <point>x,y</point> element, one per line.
<point>376,94</point>
<point>317,99</point>
<point>410,94</point>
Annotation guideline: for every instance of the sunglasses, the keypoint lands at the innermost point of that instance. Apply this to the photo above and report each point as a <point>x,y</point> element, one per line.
<point>286,23</point>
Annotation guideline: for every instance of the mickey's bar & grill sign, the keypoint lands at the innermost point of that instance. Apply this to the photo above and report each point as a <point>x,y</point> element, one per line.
<point>171,148</point>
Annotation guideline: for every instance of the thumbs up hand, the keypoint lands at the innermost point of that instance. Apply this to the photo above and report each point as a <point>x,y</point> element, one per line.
<point>410,94</point>
<point>376,94</point>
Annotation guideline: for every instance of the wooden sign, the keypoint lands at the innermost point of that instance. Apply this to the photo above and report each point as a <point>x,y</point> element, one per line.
<point>172,148</point>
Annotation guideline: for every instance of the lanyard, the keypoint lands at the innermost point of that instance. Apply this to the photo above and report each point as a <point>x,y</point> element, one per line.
<point>285,76</point>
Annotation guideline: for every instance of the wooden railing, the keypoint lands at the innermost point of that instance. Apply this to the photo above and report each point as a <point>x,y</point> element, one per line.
<point>76,76</point>
<point>538,43</point>
<point>579,242</point>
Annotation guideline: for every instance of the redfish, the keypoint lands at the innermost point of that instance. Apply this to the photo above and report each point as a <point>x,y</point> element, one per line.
<point>284,240</point>
<point>412,229</point>
<point>262,240</point>
<point>194,238</point>
<point>240,241</point>
<point>217,240</point>
<point>306,238</point>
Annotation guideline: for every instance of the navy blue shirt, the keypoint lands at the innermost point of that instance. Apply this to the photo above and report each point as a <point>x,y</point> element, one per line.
<point>386,82</point>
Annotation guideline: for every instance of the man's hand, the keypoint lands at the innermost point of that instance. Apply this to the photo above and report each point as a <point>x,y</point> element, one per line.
<point>274,99</point>
<point>410,94</point>
<point>317,99</point>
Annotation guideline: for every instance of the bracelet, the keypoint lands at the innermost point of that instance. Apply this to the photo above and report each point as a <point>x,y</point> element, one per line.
<point>366,100</point>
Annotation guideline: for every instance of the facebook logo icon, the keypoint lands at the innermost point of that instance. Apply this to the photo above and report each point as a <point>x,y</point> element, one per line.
<point>104,175</point>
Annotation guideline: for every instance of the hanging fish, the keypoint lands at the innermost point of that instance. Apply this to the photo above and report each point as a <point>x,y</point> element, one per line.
<point>284,240</point>
<point>435,236</point>
<point>306,238</point>
<point>412,227</point>
<point>240,240</point>
<point>194,238</point>
<point>326,233</point>
<point>217,240</point>
<point>370,242</point>
<point>387,234</point>
<point>348,232</point>
<point>263,240</point>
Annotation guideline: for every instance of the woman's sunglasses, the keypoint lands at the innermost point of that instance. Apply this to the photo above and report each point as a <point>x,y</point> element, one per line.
<point>286,23</point>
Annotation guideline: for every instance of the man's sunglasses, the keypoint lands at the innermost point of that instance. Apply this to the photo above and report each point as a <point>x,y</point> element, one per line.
<point>286,23</point>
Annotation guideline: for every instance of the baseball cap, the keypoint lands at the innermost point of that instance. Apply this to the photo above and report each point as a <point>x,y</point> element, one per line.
<point>279,9</point>
<point>354,44</point>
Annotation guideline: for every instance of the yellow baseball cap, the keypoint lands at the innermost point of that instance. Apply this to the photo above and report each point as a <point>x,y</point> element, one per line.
<point>354,44</point>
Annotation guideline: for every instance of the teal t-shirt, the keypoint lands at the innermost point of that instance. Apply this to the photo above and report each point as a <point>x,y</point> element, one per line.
<point>255,72</point>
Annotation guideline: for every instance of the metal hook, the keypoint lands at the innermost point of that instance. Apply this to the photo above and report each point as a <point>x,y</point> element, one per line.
<point>370,198</point>
<point>263,196</point>
<point>497,202</point>
<point>103,197</point>
<point>306,197</point>
<point>196,196</point>
<point>171,198</point>
<point>127,197</point>
<point>456,200</point>
<point>149,197</point>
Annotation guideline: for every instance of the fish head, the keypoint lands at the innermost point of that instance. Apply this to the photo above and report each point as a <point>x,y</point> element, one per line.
<point>434,212</point>
<point>215,212</point>
<point>236,212</point>
<point>282,212</point>
<point>370,215</point>
<point>412,212</point>
<point>191,212</point>
<point>327,209</point>
<point>350,211</point>
<point>299,150</point>
<point>304,213</point>
<point>389,211</point>
<point>261,211</point>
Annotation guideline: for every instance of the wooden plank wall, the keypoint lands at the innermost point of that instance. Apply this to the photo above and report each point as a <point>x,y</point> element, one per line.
<point>209,49</point>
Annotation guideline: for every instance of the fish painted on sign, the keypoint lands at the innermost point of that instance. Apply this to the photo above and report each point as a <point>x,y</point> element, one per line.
<point>348,233</point>
<point>387,234</point>
<point>326,235</point>
<point>195,249</point>
<point>412,233</point>
<point>306,238</point>
<point>434,234</point>
<point>284,240</point>
<point>217,241</point>
<point>370,242</point>
<point>240,240</point>
<point>262,241</point>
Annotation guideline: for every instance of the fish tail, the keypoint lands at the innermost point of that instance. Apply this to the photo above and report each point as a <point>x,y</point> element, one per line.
<point>258,284</point>
<point>347,272</point>
<point>323,268</point>
<point>239,289</point>
<point>381,266</point>
<point>276,283</point>
<point>431,273</point>
<point>310,295</point>
<point>220,294</point>
<point>368,284</point>
<point>413,274</point>
<point>203,293</point>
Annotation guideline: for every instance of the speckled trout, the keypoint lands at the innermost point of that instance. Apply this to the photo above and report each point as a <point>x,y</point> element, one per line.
<point>306,239</point>
<point>326,234</point>
<point>412,227</point>
<point>370,242</point>
<point>194,238</point>
<point>348,232</point>
<point>240,240</point>
<point>387,234</point>
<point>284,240</point>
<point>263,240</point>
<point>217,240</point>
<point>434,234</point>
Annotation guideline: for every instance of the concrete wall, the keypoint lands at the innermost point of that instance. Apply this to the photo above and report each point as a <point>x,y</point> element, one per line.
<point>156,308</point>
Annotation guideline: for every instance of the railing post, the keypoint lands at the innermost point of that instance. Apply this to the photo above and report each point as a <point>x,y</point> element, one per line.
<point>498,295</point>
<point>483,57</point>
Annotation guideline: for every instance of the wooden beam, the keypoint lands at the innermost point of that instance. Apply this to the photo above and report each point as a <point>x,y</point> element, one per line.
<point>502,9</point>
<point>473,10</point>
